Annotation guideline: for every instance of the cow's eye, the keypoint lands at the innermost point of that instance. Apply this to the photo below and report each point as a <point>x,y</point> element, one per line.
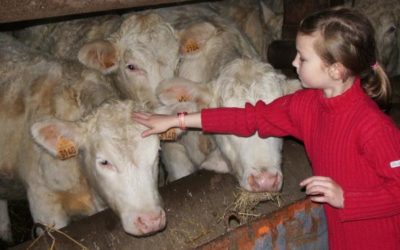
<point>392,29</point>
<point>105,164</point>
<point>131,67</point>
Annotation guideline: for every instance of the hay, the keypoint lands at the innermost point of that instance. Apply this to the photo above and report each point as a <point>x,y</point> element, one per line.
<point>49,230</point>
<point>246,201</point>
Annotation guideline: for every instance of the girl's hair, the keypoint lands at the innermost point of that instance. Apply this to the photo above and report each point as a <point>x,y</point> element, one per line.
<point>347,37</point>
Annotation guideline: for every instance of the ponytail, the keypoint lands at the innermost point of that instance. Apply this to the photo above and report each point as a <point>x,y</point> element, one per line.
<point>377,85</point>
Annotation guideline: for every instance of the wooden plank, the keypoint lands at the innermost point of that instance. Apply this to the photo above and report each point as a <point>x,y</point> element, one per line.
<point>23,10</point>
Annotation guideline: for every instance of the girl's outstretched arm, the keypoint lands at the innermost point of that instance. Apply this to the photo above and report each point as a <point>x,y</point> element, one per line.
<point>160,123</point>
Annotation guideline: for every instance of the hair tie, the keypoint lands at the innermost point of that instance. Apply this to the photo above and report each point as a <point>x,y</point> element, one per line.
<point>375,65</point>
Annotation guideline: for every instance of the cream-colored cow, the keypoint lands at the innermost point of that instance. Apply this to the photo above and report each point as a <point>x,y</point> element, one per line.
<point>255,161</point>
<point>70,144</point>
<point>139,55</point>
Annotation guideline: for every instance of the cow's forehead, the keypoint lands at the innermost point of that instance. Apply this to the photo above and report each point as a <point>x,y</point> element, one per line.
<point>114,119</point>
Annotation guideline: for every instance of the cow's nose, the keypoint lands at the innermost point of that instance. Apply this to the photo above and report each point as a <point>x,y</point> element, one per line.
<point>265,182</point>
<point>151,222</point>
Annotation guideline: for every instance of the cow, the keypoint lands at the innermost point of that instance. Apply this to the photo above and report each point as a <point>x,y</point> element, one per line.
<point>139,55</point>
<point>69,145</point>
<point>255,162</point>
<point>384,16</point>
<point>261,21</point>
<point>137,50</point>
<point>207,41</point>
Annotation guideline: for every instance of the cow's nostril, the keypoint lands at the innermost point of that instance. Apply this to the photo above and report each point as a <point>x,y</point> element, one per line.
<point>264,182</point>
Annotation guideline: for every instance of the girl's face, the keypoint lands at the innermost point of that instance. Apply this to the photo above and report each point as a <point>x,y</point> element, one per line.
<point>312,71</point>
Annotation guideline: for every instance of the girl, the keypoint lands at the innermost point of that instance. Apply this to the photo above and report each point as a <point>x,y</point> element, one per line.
<point>353,147</point>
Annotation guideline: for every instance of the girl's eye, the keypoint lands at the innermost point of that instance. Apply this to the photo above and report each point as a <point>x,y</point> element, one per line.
<point>131,67</point>
<point>302,59</point>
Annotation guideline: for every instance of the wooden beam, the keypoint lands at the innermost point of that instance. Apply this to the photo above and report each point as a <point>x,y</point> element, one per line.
<point>24,10</point>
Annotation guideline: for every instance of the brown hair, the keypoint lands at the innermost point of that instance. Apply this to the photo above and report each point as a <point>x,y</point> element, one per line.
<point>347,37</point>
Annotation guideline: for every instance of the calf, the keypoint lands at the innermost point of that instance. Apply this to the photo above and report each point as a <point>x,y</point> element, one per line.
<point>71,146</point>
<point>255,162</point>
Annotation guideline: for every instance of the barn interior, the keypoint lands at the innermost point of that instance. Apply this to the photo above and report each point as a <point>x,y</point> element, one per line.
<point>201,208</point>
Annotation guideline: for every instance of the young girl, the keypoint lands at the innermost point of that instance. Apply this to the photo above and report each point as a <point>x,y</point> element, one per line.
<point>354,148</point>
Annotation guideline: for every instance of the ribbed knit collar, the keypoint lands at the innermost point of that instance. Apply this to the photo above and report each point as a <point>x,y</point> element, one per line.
<point>343,102</point>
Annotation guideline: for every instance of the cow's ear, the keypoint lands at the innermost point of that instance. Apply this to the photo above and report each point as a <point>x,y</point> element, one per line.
<point>59,138</point>
<point>99,55</point>
<point>178,89</point>
<point>193,39</point>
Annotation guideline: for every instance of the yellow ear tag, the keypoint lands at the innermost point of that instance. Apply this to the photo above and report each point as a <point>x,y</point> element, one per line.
<point>183,98</point>
<point>169,135</point>
<point>190,46</point>
<point>65,148</point>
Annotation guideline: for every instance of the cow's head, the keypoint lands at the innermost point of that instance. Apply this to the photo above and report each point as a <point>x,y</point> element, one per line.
<point>143,52</point>
<point>120,165</point>
<point>207,45</point>
<point>255,161</point>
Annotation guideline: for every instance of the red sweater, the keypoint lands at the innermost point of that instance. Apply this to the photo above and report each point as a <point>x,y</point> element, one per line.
<point>346,138</point>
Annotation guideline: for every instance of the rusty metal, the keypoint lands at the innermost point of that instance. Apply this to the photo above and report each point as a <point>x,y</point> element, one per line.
<point>22,10</point>
<point>195,207</point>
<point>301,225</point>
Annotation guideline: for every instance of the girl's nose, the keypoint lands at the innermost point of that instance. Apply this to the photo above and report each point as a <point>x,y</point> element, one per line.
<point>295,61</point>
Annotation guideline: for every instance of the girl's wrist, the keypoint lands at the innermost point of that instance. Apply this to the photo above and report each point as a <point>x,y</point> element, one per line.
<point>181,120</point>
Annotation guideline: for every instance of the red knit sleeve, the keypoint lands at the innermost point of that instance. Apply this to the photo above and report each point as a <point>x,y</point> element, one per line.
<point>383,151</point>
<point>271,119</point>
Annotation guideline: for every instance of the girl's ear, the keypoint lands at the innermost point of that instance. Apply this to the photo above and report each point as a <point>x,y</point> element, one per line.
<point>337,71</point>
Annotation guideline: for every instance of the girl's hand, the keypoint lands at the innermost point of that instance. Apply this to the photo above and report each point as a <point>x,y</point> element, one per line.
<point>325,190</point>
<point>156,123</point>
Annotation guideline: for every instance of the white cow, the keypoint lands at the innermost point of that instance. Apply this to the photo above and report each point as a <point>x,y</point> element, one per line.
<point>208,42</point>
<point>139,55</point>
<point>137,50</point>
<point>71,145</point>
<point>255,162</point>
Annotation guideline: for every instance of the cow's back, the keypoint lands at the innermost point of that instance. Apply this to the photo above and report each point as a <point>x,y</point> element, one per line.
<point>63,39</point>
